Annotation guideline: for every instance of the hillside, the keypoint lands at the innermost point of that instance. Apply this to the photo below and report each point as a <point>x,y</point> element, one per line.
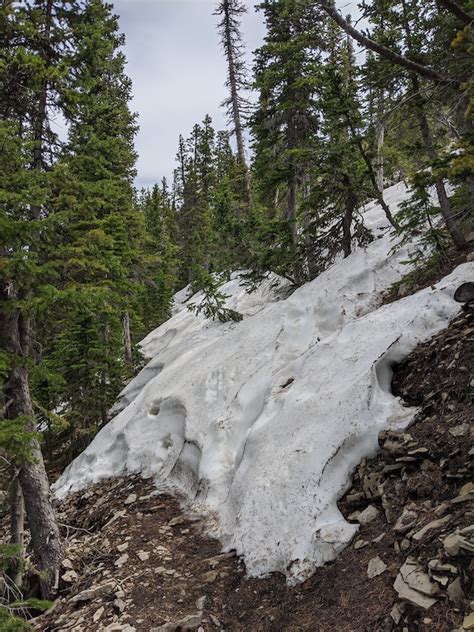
<point>257,426</point>
<point>136,561</point>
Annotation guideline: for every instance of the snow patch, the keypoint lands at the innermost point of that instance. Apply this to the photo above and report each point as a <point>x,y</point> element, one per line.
<point>260,423</point>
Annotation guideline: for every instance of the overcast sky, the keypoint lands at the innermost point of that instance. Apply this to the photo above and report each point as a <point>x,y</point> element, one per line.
<point>178,73</point>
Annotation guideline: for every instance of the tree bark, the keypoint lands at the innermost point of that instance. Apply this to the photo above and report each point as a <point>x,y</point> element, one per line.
<point>234,93</point>
<point>127,339</point>
<point>14,340</point>
<point>17,527</point>
<point>350,206</point>
<point>382,50</point>
<point>380,137</point>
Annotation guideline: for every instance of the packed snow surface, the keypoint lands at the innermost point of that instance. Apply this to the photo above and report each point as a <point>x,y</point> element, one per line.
<point>259,424</point>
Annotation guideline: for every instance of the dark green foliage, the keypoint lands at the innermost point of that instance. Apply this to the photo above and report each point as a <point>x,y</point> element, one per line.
<point>212,303</point>
<point>14,611</point>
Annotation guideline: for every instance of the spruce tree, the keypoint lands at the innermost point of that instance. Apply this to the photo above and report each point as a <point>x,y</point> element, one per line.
<point>231,12</point>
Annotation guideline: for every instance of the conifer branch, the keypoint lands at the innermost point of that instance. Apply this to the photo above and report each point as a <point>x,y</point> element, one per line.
<point>454,8</point>
<point>387,53</point>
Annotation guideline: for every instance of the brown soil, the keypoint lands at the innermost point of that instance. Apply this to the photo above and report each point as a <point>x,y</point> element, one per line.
<point>184,565</point>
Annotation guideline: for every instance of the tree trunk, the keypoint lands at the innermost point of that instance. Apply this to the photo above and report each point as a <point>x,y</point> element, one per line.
<point>17,527</point>
<point>47,549</point>
<point>372,176</point>
<point>127,339</point>
<point>386,53</point>
<point>291,217</point>
<point>350,204</point>
<point>234,91</point>
<point>446,210</point>
<point>380,137</point>
<point>454,8</point>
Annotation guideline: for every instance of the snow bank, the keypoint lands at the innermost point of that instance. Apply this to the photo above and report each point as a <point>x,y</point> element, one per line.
<point>260,423</point>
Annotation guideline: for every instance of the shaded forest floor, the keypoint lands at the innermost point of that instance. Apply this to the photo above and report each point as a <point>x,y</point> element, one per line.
<point>135,561</point>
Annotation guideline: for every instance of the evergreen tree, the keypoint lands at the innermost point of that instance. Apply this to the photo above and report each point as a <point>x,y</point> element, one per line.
<point>285,123</point>
<point>32,73</point>
<point>231,12</point>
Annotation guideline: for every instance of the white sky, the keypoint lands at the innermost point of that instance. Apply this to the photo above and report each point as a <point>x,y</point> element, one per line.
<point>178,73</point>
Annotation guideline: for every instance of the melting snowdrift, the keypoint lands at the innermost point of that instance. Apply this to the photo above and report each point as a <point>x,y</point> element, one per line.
<point>260,423</point>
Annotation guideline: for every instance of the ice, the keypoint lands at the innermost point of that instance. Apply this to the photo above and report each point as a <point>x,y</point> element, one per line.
<point>259,424</point>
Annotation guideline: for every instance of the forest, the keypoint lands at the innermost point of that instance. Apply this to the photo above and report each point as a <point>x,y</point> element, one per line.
<point>329,114</point>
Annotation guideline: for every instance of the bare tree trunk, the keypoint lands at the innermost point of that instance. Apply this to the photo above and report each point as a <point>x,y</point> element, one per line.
<point>350,207</point>
<point>230,41</point>
<point>446,210</point>
<point>127,339</point>
<point>380,138</point>
<point>17,527</point>
<point>291,217</point>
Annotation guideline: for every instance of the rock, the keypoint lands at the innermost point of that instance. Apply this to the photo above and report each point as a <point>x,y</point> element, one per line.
<point>470,256</point>
<point>143,556</point>
<point>369,514</point>
<point>415,586</point>
<point>98,614</point>
<point>120,605</point>
<point>376,567</point>
<point>356,498</point>
<point>468,623</point>
<point>466,489</point>
<point>455,591</point>
<point>459,431</point>
<point>175,521</point>
<point>94,592</point>
<point>121,548</point>
<point>433,525</point>
<point>371,484</point>
<point>70,577</point>
<point>440,579</point>
<point>396,612</point>
<point>131,498</point>
<point>396,444</point>
<point>416,578</point>
<point>465,293</point>
<point>200,602</point>
<point>438,567</point>
<point>191,622</point>
<point>360,544</point>
<point>454,542</point>
<point>441,509</point>
<point>66,563</point>
<point>406,521</point>
<point>412,596</point>
<point>210,577</point>
<point>120,627</point>
<point>120,561</point>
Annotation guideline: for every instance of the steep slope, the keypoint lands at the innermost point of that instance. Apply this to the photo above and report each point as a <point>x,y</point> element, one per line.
<point>259,424</point>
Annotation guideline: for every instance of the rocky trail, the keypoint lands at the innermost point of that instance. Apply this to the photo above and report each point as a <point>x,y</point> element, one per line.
<point>137,562</point>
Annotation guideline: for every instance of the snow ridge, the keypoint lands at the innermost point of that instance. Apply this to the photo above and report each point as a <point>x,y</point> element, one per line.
<point>259,424</point>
